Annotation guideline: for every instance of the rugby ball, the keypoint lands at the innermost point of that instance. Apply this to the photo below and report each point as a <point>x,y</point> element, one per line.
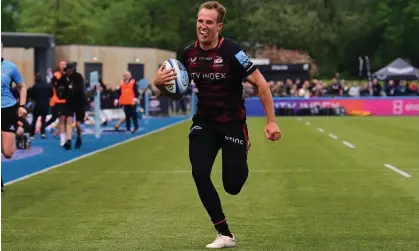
<point>177,87</point>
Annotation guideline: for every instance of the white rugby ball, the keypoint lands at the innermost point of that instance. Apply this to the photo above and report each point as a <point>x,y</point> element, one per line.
<point>178,87</point>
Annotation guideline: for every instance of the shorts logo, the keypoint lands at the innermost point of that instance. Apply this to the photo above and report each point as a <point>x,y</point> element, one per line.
<point>243,59</point>
<point>234,140</point>
<point>12,127</point>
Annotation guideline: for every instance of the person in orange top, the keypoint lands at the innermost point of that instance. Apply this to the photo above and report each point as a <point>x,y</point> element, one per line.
<point>62,91</point>
<point>54,113</point>
<point>127,97</point>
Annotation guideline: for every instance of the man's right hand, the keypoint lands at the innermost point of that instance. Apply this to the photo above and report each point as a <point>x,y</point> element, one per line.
<point>163,77</point>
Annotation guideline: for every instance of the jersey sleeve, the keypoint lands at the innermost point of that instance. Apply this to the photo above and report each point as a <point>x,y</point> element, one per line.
<point>241,60</point>
<point>17,76</point>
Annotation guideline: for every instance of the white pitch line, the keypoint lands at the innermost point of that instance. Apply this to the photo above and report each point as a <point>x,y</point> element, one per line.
<point>132,172</point>
<point>402,173</point>
<point>299,119</point>
<point>320,129</point>
<point>348,144</point>
<point>94,152</point>
<point>333,136</point>
<point>307,123</point>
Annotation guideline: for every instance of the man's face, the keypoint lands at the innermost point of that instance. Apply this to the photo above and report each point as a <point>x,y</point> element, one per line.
<point>70,71</point>
<point>126,76</point>
<point>62,65</point>
<point>207,27</point>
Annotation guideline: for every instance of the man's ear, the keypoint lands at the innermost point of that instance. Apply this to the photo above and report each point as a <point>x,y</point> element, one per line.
<point>220,27</point>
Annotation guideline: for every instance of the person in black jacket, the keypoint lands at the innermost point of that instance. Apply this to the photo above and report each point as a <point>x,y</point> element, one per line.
<point>40,94</point>
<point>77,100</point>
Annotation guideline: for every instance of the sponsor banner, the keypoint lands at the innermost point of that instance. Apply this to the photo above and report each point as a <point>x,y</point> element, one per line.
<point>385,106</point>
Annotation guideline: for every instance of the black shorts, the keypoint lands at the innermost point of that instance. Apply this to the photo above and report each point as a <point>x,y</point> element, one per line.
<point>9,119</point>
<point>233,140</point>
<point>63,109</point>
<point>79,111</point>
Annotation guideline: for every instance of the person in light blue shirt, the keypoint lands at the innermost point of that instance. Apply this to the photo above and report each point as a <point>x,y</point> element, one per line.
<point>10,109</point>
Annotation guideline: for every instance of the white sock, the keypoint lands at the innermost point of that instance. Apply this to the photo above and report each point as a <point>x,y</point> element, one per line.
<point>62,139</point>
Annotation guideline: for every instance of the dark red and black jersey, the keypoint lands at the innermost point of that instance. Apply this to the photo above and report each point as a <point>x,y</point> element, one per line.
<point>218,75</point>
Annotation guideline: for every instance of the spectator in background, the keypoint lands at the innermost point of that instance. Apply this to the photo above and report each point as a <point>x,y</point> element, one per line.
<point>376,88</point>
<point>298,83</point>
<point>63,90</point>
<point>54,101</point>
<point>391,89</point>
<point>248,90</point>
<point>77,100</point>
<point>345,88</point>
<point>354,90</point>
<point>294,91</point>
<point>317,88</point>
<point>304,92</point>
<point>365,90</point>
<point>40,94</point>
<point>413,89</point>
<point>49,75</point>
<point>335,89</point>
<point>402,89</point>
<point>128,98</point>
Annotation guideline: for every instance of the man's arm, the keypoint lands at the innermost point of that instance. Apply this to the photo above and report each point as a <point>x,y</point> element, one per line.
<point>257,80</point>
<point>248,70</point>
<point>22,93</point>
<point>21,87</point>
<point>135,89</point>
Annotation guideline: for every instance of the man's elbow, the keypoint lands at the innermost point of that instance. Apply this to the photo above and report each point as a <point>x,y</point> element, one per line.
<point>21,86</point>
<point>263,88</point>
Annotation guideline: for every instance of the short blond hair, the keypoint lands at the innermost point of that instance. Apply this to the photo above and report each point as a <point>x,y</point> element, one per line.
<point>214,5</point>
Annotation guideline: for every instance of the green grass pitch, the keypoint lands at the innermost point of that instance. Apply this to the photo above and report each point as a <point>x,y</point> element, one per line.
<point>307,191</point>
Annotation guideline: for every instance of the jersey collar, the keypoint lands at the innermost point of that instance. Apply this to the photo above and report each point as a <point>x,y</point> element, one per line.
<point>220,42</point>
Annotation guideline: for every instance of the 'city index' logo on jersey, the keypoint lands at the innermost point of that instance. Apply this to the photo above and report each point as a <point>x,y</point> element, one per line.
<point>208,76</point>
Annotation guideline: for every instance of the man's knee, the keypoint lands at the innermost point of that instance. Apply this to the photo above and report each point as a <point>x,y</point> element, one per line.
<point>199,174</point>
<point>233,189</point>
<point>234,179</point>
<point>8,152</point>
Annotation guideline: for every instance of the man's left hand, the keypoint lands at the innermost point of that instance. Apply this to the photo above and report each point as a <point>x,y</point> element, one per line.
<point>272,131</point>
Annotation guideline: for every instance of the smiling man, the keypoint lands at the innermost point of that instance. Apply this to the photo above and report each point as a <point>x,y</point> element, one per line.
<point>218,65</point>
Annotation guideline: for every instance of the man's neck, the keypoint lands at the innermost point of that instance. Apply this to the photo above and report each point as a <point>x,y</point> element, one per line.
<point>210,46</point>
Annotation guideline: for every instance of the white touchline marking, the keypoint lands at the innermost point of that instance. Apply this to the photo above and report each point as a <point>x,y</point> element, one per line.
<point>402,173</point>
<point>299,119</point>
<point>307,123</point>
<point>94,152</point>
<point>333,136</point>
<point>348,144</point>
<point>125,172</point>
<point>320,129</point>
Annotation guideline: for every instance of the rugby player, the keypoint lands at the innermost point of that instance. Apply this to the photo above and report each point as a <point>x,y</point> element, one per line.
<point>218,65</point>
<point>10,109</point>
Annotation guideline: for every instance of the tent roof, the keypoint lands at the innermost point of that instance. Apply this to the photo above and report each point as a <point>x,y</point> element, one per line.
<point>397,70</point>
